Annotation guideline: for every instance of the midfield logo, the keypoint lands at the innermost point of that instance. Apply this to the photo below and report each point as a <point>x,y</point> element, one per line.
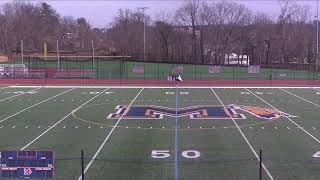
<point>195,112</point>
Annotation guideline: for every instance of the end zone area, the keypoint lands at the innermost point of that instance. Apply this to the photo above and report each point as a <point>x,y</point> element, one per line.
<point>143,132</point>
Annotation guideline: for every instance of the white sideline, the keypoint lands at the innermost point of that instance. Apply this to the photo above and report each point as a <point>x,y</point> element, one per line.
<point>300,97</point>
<point>43,133</point>
<point>34,105</point>
<point>18,94</point>
<point>108,136</point>
<point>169,87</point>
<point>245,138</point>
<point>314,138</point>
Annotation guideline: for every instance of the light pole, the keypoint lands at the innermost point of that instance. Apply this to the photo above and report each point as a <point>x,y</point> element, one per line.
<point>58,54</point>
<point>317,54</point>
<point>144,31</point>
<point>21,44</point>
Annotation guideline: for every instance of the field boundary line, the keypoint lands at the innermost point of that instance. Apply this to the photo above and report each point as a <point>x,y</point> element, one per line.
<point>166,87</point>
<point>245,138</point>
<point>109,134</point>
<point>300,97</point>
<point>34,105</point>
<point>292,121</point>
<point>52,126</point>
<point>18,94</point>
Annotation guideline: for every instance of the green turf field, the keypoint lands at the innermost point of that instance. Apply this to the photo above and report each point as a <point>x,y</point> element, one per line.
<point>186,143</point>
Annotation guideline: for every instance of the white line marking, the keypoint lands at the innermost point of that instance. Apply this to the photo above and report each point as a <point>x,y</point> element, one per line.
<point>34,105</point>
<point>170,87</point>
<point>300,97</point>
<point>108,136</point>
<point>314,138</point>
<point>18,95</point>
<point>244,137</point>
<point>47,130</point>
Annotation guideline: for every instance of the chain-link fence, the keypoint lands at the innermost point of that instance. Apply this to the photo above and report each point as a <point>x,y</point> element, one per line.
<point>122,67</point>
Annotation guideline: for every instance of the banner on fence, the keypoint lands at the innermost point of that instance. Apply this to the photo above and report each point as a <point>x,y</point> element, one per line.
<point>13,70</point>
<point>138,68</point>
<point>214,69</point>
<point>177,69</point>
<point>254,69</point>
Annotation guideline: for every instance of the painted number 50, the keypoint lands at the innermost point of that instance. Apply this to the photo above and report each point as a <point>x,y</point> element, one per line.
<point>162,154</point>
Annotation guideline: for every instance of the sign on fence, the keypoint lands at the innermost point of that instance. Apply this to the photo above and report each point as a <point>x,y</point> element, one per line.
<point>138,68</point>
<point>177,69</point>
<point>254,69</point>
<point>214,69</point>
<point>14,70</point>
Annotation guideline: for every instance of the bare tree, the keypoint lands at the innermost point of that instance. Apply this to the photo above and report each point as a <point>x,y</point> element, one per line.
<point>187,16</point>
<point>164,26</point>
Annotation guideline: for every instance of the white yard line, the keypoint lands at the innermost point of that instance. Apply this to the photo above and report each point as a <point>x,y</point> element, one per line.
<point>34,105</point>
<point>314,138</point>
<point>19,94</point>
<point>171,87</point>
<point>300,97</point>
<point>245,138</point>
<point>108,136</point>
<point>43,133</point>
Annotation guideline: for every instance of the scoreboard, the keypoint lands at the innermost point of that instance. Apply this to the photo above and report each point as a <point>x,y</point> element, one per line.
<point>27,164</point>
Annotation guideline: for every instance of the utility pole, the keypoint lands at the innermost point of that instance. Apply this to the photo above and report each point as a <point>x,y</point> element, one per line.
<point>144,31</point>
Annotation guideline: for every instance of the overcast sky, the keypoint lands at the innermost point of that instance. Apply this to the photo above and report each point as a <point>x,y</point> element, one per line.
<point>101,13</point>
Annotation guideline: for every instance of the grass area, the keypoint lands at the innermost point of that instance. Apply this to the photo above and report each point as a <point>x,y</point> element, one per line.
<point>110,68</point>
<point>211,147</point>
